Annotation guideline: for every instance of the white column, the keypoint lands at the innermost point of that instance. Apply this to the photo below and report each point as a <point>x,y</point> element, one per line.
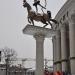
<point>64,55</point>
<point>39,54</point>
<point>72,42</point>
<point>58,50</point>
<point>54,52</point>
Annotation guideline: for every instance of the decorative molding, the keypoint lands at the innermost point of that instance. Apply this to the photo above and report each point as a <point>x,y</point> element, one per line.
<point>64,60</point>
<point>57,62</point>
<point>58,34</point>
<point>60,61</point>
<point>39,37</point>
<point>63,28</point>
<point>64,9</point>
<point>71,18</point>
<point>72,58</point>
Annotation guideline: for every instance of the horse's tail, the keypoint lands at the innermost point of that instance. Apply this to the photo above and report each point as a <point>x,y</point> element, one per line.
<point>49,14</point>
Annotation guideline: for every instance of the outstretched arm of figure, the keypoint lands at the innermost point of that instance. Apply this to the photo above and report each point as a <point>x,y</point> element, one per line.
<point>42,6</point>
<point>36,2</point>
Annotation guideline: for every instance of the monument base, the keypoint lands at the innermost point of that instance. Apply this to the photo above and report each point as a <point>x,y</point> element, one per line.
<point>39,34</point>
<point>33,30</point>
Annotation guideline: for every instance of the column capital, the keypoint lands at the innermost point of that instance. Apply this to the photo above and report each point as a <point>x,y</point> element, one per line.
<point>63,27</point>
<point>56,27</point>
<point>72,17</point>
<point>39,37</point>
<point>58,35</point>
<point>57,31</point>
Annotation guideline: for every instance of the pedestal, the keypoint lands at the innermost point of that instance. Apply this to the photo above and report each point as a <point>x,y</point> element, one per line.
<point>39,33</point>
<point>39,54</point>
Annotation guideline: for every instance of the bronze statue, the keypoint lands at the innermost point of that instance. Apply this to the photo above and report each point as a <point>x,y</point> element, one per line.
<point>37,2</point>
<point>45,18</point>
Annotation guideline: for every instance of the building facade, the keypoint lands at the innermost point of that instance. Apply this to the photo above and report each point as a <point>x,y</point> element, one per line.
<point>64,40</point>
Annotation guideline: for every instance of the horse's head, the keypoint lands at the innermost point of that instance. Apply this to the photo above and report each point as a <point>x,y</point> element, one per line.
<point>26,4</point>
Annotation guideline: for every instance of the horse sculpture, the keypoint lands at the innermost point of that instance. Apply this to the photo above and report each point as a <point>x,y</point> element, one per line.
<point>45,18</point>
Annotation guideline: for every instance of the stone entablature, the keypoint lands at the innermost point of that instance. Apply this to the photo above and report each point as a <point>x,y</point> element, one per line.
<point>32,30</point>
<point>65,11</point>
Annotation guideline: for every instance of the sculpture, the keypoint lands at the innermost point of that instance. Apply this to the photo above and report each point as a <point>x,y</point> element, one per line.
<point>37,2</point>
<point>45,18</point>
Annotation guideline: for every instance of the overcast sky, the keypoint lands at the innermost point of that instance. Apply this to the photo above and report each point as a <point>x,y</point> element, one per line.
<point>13,18</point>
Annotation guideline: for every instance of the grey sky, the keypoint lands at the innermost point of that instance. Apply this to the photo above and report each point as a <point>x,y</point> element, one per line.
<point>13,20</point>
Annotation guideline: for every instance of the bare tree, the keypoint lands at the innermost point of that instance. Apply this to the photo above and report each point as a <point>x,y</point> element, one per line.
<point>9,55</point>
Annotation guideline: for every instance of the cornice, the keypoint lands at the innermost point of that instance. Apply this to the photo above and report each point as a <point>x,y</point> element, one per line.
<point>71,18</point>
<point>64,9</point>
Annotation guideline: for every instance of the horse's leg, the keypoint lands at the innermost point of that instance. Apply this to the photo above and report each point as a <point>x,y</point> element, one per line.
<point>45,25</point>
<point>44,21</point>
<point>32,22</point>
<point>29,20</point>
<point>50,24</point>
<point>53,20</point>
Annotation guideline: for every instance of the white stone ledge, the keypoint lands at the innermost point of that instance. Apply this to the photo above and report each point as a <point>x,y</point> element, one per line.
<point>34,30</point>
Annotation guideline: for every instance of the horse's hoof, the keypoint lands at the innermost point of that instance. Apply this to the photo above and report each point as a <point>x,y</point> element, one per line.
<point>44,26</point>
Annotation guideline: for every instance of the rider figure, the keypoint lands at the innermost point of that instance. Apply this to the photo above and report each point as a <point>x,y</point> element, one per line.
<point>37,2</point>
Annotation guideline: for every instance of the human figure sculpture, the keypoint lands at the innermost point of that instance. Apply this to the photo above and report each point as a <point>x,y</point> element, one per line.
<point>45,18</point>
<point>37,2</point>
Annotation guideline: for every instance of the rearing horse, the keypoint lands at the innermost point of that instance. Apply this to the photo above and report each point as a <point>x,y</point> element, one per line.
<point>45,18</point>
